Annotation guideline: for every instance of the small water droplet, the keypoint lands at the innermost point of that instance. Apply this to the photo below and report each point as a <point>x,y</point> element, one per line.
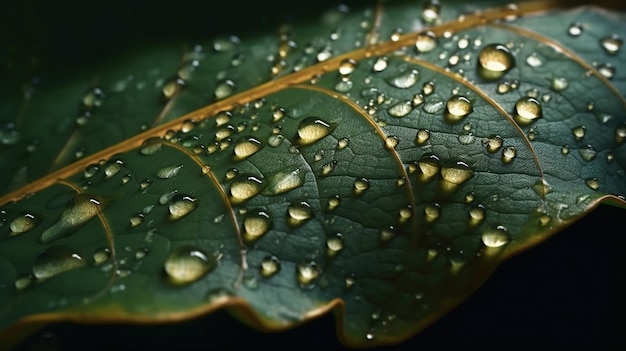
<point>508,154</point>
<point>360,186</point>
<point>256,224</point>
<point>575,29</point>
<point>24,281</point>
<point>579,132</point>
<point>533,60</point>
<point>429,166</point>
<point>347,66</point>
<point>169,172</point>
<point>559,84</point>
<point>224,89</point>
<point>391,142</point>
<point>593,183</point>
<point>136,219</point>
<point>311,130</point>
<point>422,136</point>
<point>380,64</point>
<point>333,203</point>
<point>620,133</point>
<point>245,187</point>
<point>307,273</point>
<point>79,211</point>
<point>405,213</point>
<point>611,44</point>
<point>426,42</point>
<point>349,281</point>
<point>494,61</point>
<point>456,173</point>
<point>145,184</point>
<point>565,150</point>
<point>400,109</point>
<point>432,212</point>
<point>283,182</point>
<point>23,222</point>
<point>496,237</point>
<point>181,205</point>
<point>342,143</point>
<point>334,244</point>
<point>386,234</point>
<point>101,255</point>
<point>588,153</point>
<point>431,11</point>
<point>404,80</point>
<point>457,108</point>
<point>56,260</point>
<point>172,87</point>
<point>477,214</point>
<point>113,168</point>
<point>493,143</point>
<point>434,107</point>
<point>298,213</point>
<point>527,110</point>
<point>428,88</point>
<point>246,147</point>
<point>270,265</point>
<point>188,264</point>
<point>91,171</point>
<point>607,70</point>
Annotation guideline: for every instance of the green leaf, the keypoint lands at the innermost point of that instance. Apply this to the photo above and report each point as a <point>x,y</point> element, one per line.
<point>380,162</point>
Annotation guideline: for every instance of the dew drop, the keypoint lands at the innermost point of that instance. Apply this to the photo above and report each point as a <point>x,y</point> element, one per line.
<point>533,60</point>
<point>579,132</point>
<point>333,203</point>
<point>508,154</point>
<point>307,273</point>
<point>172,87</point>
<point>22,223</point>
<point>79,211</point>
<point>494,61</point>
<point>270,265</point>
<point>187,264</point>
<point>588,153</point>
<point>342,143</point>
<point>575,29</point>
<point>426,42</point>
<point>495,238</point>
<point>422,136</point>
<point>244,188</point>
<point>113,168</point>
<point>428,88</point>
<point>559,84</point>
<point>167,196</point>
<point>256,224</point>
<point>380,64</point>
<point>91,171</point>
<point>328,167</point>
<point>169,172</point>
<point>311,130</point>
<point>56,260</point>
<point>181,205</point>
<point>493,143</point>
<point>620,133</point>
<point>477,214</point>
<point>298,213</point>
<point>283,182</point>
<point>431,11</point>
<point>224,89</point>
<point>391,142</point>
<point>432,212</point>
<point>457,108</point>
<point>456,173</point>
<point>137,219</point>
<point>593,183</point>
<point>334,244</point>
<point>607,70</point>
<point>527,110</point>
<point>101,255</point>
<point>405,213</point>
<point>275,140</point>
<point>246,147</point>
<point>386,234</point>
<point>400,109</point>
<point>23,282</point>
<point>347,66</point>
<point>429,166</point>
<point>404,80</point>
<point>360,186</point>
<point>611,44</point>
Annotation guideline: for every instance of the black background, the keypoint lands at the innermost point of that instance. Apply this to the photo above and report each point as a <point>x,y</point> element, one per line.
<point>568,291</point>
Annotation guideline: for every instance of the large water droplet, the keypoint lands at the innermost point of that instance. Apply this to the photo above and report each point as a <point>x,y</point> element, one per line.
<point>380,64</point>
<point>431,11</point>
<point>298,213</point>
<point>527,110</point>
<point>334,244</point>
<point>283,182</point>
<point>245,187</point>
<point>429,166</point>
<point>256,224</point>
<point>477,214</point>
<point>311,130</point>
<point>56,260</point>
<point>347,66</point>
<point>270,265</point>
<point>494,61</point>
<point>456,173</point>
<point>246,147</point>
<point>79,211</point>
<point>23,222</point>
<point>496,237</point>
<point>404,80</point>
<point>457,108</point>
<point>426,42</point>
<point>187,264</point>
<point>181,205</point>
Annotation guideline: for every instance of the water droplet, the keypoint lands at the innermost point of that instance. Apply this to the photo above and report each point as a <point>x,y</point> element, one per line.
<point>360,186</point>
<point>429,166</point>
<point>101,255</point>
<point>307,273</point>
<point>167,196</point>
<point>620,133</point>
<point>559,84</point>
<point>405,213</point>
<point>256,224</point>
<point>283,182</point>
<point>298,213</point>
<point>527,110</point>
<point>328,167</point>
<point>456,173</point>
<point>126,178</point>
<point>428,88</point>
<point>404,80</point>
<point>579,132</point>
<point>113,168</point>
<point>56,260</point>
<point>334,244</point>
<point>457,108</point>
<point>342,143</point>
<point>391,142</point>
<point>477,214</point>
<point>224,132</point>
<point>426,42</point>
<point>496,237</point>
<point>349,281</point>
<point>312,129</point>
<point>575,29</point>
<point>244,188</point>
<point>433,107</point>
<point>224,89</point>
<point>493,143</point>
<point>593,183</point>
<point>347,66</point>
<point>24,282</point>
<point>79,211</point>
<point>172,87</point>
<point>136,219</point>
<point>400,109</point>
<point>246,147</point>
<point>333,202</point>
<point>432,212</point>
<point>611,44</point>
<point>431,11</point>
<point>222,118</point>
<point>422,136</point>
<point>533,60</point>
<point>588,153</point>
<point>23,222</point>
<point>494,61</point>
<point>565,150</point>
<point>386,234</point>
<point>270,265</point>
<point>187,264</point>
<point>169,172</point>
<point>275,140</point>
<point>607,70</point>
<point>181,205</point>
<point>145,184</point>
<point>508,154</point>
<point>380,64</point>
<point>91,171</point>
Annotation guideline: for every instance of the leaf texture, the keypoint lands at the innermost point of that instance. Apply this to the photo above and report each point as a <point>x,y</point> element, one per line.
<point>380,162</point>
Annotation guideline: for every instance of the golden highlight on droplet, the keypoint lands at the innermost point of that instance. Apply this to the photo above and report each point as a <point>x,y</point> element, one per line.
<point>494,60</point>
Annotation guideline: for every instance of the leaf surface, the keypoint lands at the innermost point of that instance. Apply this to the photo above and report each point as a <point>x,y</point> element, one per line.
<point>380,162</point>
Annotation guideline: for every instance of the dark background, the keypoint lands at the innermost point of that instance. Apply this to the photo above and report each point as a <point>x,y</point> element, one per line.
<point>568,291</point>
